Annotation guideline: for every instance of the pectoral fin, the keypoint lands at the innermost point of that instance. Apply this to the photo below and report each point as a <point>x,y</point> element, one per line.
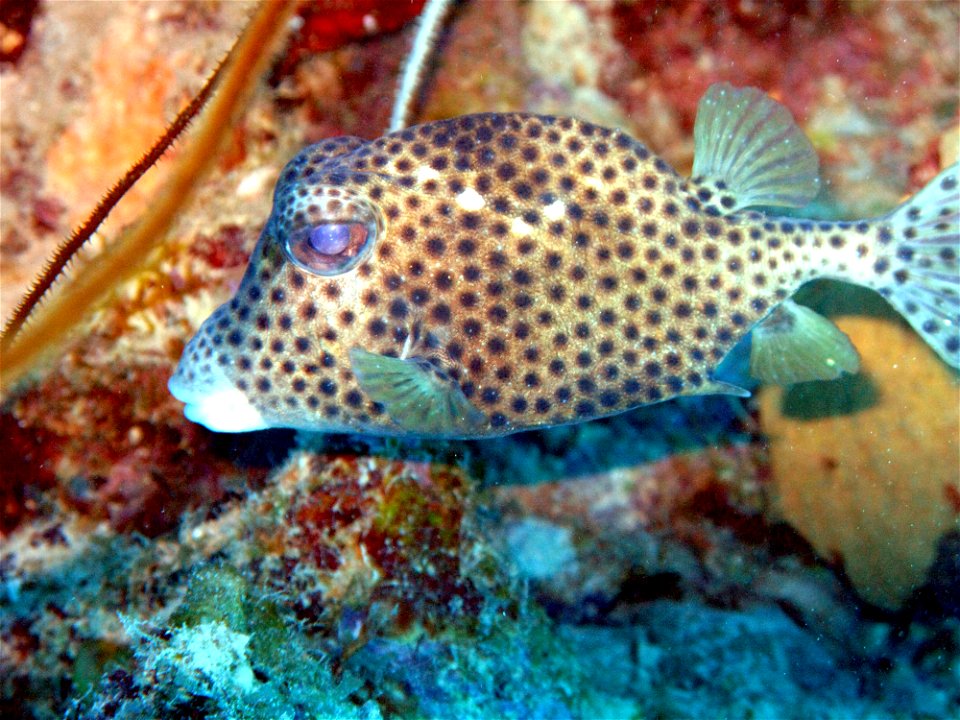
<point>794,344</point>
<point>417,394</point>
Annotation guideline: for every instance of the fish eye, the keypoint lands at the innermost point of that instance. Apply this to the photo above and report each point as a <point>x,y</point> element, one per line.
<point>334,246</point>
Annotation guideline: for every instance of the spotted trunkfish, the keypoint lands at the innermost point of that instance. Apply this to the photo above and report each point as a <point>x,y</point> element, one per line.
<point>498,272</point>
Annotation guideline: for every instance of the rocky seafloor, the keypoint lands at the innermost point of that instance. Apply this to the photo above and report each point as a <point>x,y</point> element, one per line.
<point>791,555</point>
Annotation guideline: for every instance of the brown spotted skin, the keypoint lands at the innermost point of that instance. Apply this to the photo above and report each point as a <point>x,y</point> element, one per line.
<point>592,279</point>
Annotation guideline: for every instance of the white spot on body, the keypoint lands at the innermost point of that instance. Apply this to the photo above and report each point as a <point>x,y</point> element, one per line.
<point>593,182</point>
<point>470,200</point>
<point>555,210</point>
<point>519,226</point>
<point>425,172</point>
<point>407,347</point>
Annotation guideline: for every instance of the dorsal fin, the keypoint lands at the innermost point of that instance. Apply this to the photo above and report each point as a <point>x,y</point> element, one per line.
<point>747,147</point>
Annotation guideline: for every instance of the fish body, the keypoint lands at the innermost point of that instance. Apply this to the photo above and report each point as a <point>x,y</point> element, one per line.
<point>492,273</point>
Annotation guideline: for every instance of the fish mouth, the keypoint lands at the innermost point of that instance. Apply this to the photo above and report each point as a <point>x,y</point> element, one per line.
<point>214,401</point>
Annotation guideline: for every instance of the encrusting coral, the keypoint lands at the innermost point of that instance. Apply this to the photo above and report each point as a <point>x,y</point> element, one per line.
<point>227,652</point>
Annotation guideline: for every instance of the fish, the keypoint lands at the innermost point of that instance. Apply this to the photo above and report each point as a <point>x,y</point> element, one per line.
<point>499,272</point>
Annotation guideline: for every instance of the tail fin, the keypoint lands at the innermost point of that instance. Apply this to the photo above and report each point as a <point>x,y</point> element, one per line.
<point>923,281</point>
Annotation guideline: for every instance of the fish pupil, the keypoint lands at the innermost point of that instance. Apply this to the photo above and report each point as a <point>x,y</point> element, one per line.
<point>331,248</point>
<point>330,239</point>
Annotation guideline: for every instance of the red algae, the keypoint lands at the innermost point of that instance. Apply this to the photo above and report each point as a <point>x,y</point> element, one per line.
<point>26,471</point>
<point>802,53</point>
<point>113,444</point>
<point>227,248</point>
<point>330,24</point>
<point>688,45</point>
<point>363,531</point>
<point>350,90</point>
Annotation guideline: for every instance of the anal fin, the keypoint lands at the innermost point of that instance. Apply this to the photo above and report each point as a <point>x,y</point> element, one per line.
<point>794,344</point>
<point>718,387</point>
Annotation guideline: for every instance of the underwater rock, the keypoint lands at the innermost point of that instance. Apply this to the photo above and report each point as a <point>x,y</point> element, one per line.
<point>753,663</point>
<point>691,524</point>
<point>371,535</point>
<point>866,466</point>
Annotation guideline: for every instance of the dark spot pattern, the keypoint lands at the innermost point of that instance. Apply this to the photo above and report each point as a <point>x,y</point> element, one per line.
<point>552,269</point>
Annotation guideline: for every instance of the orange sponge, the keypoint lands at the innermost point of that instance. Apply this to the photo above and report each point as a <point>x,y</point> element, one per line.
<point>867,467</point>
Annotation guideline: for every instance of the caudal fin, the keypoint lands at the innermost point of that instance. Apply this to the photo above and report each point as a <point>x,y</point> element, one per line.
<point>923,280</point>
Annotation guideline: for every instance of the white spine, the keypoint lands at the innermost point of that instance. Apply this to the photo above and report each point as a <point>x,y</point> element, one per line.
<point>423,44</point>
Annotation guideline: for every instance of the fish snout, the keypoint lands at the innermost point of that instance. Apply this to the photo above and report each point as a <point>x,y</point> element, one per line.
<point>212,397</point>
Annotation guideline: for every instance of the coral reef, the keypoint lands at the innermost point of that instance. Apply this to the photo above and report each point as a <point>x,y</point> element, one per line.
<point>342,589</point>
<point>663,563</point>
<point>354,531</point>
<point>76,118</point>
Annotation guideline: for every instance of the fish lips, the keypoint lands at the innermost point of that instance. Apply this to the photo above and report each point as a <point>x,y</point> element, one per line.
<point>213,400</point>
